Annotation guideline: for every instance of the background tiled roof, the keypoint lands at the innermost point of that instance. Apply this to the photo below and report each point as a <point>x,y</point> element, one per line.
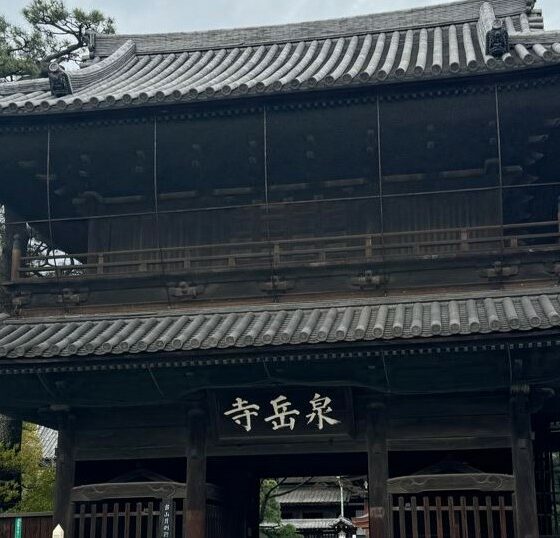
<point>49,442</point>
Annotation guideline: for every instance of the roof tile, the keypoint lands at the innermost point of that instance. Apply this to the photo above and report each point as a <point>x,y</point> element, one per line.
<point>435,41</point>
<point>292,325</point>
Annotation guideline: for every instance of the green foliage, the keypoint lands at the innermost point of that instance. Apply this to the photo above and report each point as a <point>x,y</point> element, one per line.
<point>269,507</point>
<point>26,472</point>
<point>53,32</point>
<point>270,511</point>
<point>284,531</point>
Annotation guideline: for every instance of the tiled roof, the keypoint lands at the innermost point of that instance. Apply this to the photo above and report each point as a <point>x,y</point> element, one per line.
<point>312,495</point>
<point>424,43</point>
<point>49,442</point>
<point>319,523</point>
<point>277,325</point>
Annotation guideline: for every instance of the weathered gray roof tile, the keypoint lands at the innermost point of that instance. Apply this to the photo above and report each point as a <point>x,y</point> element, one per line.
<point>273,326</point>
<point>436,41</point>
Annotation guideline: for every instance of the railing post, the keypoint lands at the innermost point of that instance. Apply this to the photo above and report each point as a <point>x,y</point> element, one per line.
<point>526,520</point>
<point>100,263</point>
<point>378,471</point>
<point>465,240</point>
<point>16,258</point>
<point>369,247</point>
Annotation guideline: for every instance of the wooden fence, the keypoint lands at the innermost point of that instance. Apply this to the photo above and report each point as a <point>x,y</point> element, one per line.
<point>36,525</point>
<point>142,509</point>
<point>453,517</point>
<point>474,505</point>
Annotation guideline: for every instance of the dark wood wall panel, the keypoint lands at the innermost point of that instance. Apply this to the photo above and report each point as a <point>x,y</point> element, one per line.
<point>437,423</point>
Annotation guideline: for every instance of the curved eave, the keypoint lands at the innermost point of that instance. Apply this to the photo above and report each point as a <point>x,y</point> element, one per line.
<point>360,61</point>
<point>270,327</point>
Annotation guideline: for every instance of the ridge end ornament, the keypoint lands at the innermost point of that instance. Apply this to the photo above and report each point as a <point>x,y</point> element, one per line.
<point>497,40</point>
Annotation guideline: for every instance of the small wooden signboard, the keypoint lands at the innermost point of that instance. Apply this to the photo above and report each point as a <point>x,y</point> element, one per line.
<point>167,518</point>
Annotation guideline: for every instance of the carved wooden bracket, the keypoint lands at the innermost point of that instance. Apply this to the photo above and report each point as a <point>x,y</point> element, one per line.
<point>20,300</point>
<point>133,490</point>
<point>369,280</point>
<point>450,482</point>
<point>277,285</point>
<point>185,290</point>
<point>72,296</point>
<point>498,270</point>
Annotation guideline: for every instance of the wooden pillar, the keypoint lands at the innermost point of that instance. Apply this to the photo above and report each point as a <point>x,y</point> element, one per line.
<point>15,245</point>
<point>65,474</point>
<point>195,517</point>
<point>523,465</point>
<point>16,258</point>
<point>252,505</point>
<point>378,471</point>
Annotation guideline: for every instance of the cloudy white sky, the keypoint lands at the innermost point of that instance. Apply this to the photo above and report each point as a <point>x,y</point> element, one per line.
<point>143,16</point>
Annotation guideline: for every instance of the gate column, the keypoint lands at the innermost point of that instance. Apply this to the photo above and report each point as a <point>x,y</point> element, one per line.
<point>195,517</point>
<point>378,470</point>
<point>65,475</point>
<point>526,519</point>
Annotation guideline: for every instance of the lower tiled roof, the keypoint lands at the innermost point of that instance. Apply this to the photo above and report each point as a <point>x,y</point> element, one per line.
<point>311,495</point>
<point>319,523</point>
<point>274,325</point>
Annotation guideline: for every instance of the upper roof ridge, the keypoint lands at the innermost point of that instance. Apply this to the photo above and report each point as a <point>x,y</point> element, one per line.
<point>456,12</point>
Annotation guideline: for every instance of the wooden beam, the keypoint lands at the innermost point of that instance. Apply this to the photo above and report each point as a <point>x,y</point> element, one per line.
<point>378,471</point>
<point>523,465</point>
<point>195,517</point>
<point>65,475</point>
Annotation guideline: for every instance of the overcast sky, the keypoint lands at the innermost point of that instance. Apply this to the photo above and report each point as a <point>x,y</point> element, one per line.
<point>144,16</point>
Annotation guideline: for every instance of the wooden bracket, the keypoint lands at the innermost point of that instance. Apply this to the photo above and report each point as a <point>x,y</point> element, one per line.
<point>185,290</point>
<point>72,296</point>
<point>498,270</point>
<point>553,269</point>
<point>369,280</point>
<point>277,285</point>
<point>520,389</point>
<point>20,300</point>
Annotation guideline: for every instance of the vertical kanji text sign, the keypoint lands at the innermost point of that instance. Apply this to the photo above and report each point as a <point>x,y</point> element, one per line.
<point>167,519</point>
<point>283,412</point>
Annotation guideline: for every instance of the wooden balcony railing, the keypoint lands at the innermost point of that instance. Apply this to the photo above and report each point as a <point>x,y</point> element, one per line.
<point>447,243</point>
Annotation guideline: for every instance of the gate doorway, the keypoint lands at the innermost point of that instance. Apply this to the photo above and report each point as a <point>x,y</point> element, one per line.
<point>313,478</point>
<point>430,494</point>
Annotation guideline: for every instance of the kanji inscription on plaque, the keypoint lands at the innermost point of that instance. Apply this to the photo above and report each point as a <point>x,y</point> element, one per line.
<point>287,412</point>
